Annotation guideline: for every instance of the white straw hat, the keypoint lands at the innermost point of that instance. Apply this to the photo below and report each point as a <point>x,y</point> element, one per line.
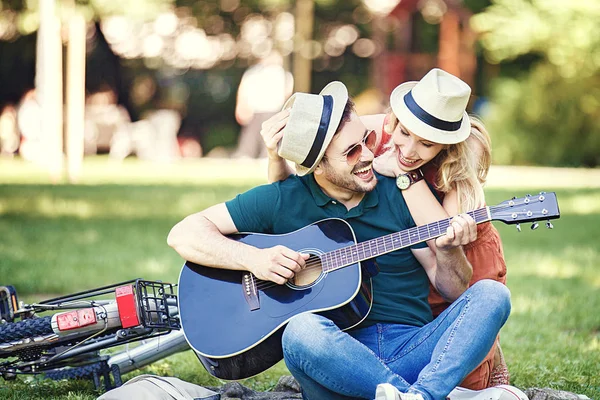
<point>313,120</point>
<point>434,107</point>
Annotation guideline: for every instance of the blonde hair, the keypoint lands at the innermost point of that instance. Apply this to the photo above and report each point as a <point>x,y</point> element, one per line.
<point>481,144</point>
<point>462,166</point>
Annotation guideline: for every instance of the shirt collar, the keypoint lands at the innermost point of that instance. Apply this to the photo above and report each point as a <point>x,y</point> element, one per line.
<point>320,197</point>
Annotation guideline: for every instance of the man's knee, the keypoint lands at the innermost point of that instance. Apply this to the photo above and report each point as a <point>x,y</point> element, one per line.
<point>303,334</point>
<point>493,293</point>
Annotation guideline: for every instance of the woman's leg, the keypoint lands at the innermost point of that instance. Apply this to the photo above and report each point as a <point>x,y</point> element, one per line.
<point>499,374</point>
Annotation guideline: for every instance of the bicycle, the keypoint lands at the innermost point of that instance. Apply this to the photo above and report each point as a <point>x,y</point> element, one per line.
<point>69,343</point>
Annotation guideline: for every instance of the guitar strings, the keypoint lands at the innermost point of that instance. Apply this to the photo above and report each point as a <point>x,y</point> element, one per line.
<point>318,262</point>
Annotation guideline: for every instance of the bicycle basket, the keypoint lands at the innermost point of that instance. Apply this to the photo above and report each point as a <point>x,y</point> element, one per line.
<point>157,305</point>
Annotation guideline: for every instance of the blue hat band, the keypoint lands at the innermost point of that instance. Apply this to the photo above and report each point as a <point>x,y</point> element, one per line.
<point>429,119</point>
<point>321,132</point>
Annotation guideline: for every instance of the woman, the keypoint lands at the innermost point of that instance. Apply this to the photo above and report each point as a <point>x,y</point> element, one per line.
<point>454,161</point>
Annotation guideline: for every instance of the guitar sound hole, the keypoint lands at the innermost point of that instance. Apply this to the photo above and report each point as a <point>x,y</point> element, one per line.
<point>310,274</point>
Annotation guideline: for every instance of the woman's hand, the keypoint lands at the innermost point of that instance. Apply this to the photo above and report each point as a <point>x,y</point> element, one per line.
<point>272,132</point>
<point>461,231</point>
<point>386,164</point>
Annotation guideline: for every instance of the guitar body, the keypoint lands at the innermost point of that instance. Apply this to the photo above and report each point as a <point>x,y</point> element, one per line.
<point>236,337</point>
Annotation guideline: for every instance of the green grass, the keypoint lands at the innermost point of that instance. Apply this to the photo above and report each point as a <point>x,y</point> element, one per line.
<point>112,226</point>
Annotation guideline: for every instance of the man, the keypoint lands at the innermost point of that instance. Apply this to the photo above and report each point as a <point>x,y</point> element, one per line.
<point>398,343</point>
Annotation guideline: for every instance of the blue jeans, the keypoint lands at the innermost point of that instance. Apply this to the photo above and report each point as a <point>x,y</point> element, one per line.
<point>430,360</point>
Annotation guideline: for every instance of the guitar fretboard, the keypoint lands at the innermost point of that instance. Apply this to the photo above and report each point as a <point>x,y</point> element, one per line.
<point>385,244</point>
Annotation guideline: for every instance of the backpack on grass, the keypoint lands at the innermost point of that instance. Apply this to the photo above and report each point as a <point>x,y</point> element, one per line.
<point>152,387</point>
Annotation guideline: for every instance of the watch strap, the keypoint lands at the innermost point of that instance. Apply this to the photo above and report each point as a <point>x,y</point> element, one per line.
<point>415,176</point>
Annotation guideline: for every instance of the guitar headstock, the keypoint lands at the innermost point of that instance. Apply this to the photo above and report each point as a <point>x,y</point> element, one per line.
<point>540,207</point>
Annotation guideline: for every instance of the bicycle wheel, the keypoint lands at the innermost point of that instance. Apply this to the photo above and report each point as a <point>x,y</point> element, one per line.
<point>94,371</point>
<point>26,328</point>
<point>79,372</point>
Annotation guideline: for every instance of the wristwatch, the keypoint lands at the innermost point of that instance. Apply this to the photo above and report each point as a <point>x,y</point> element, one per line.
<point>403,181</point>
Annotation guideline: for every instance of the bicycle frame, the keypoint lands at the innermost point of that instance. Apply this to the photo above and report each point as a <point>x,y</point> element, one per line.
<point>85,324</point>
<point>151,351</point>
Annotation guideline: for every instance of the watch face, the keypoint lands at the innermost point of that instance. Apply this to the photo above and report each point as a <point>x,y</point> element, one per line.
<point>403,181</point>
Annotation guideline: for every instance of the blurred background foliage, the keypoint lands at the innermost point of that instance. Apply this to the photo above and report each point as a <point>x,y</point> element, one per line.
<point>545,105</point>
<point>538,79</point>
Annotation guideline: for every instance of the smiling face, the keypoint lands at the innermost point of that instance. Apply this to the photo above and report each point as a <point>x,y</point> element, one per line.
<point>335,174</point>
<point>413,151</point>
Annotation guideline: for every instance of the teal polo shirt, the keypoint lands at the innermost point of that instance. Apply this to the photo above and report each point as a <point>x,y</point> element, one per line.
<point>400,289</point>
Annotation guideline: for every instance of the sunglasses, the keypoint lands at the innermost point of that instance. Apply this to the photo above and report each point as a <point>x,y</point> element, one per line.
<point>352,156</point>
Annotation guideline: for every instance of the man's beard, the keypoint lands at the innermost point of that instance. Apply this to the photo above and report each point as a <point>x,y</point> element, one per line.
<point>348,181</point>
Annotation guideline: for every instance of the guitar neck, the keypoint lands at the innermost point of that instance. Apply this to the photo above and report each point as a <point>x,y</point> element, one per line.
<point>385,244</point>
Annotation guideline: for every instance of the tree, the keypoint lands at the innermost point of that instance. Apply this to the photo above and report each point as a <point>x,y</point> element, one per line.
<point>547,114</point>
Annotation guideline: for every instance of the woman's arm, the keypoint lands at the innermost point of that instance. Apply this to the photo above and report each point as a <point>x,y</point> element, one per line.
<point>424,207</point>
<point>449,270</point>
<point>272,132</point>
<point>375,123</point>
<point>278,170</point>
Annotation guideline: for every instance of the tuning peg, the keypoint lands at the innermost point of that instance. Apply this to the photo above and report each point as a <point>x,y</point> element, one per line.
<point>542,192</point>
<point>549,225</point>
<point>518,227</point>
<point>514,198</point>
<point>534,226</point>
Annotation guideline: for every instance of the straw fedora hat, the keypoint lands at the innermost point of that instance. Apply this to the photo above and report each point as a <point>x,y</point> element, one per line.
<point>434,107</point>
<point>313,120</point>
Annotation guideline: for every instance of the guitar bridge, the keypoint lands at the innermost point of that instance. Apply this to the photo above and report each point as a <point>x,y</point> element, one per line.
<point>250,291</point>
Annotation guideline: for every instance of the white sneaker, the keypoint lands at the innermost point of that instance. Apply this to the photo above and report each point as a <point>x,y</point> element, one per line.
<point>500,392</point>
<point>385,391</point>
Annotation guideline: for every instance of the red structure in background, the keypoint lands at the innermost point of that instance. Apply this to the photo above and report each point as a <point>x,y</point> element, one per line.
<point>404,60</point>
